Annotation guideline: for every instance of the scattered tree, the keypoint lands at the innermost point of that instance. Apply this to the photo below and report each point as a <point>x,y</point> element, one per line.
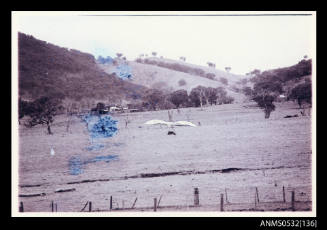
<point>181,82</point>
<point>119,55</point>
<point>266,103</point>
<point>154,54</point>
<point>265,93</point>
<point>43,111</point>
<point>228,69</point>
<point>301,93</point>
<point>210,76</point>
<point>224,80</point>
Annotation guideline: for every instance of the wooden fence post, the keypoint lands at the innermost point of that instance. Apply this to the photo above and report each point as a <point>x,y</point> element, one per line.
<point>110,202</point>
<point>284,200</point>
<point>257,193</point>
<point>134,202</point>
<point>255,200</point>
<point>155,204</point>
<point>90,206</point>
<point>196,197</point>
<point>56,207</point>
<point>293,201</point>
<point>52,206</point>
<point>221,202</point>
<point>21,207</point>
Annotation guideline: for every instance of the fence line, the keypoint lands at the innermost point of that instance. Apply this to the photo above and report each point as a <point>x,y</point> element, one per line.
<point>223,206</point>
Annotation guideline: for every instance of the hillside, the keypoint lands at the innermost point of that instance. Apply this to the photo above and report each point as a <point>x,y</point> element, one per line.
<point>197,70</point>
<point>49,70</point>
<point>154,76</point>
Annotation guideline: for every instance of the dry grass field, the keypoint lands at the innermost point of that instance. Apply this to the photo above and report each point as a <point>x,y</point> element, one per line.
<point>147,163</point>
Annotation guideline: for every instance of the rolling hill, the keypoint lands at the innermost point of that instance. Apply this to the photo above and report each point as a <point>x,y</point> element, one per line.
<point>167,79</point>
<point>49,70</point>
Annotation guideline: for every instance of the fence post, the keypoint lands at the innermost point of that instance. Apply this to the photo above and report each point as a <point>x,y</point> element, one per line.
<point>196,197</point>
<point>90,206</point>
<point>21,207</point>
<point>110,202</point>
<point>257,193</point>
<point>155,204</point>
<point>284,200</point>
<point>221,202</point>
<point>255,200</point>
<point>52,206</point>
<point>56,207</point>
<point>134,202</point>
<point>293,201</point>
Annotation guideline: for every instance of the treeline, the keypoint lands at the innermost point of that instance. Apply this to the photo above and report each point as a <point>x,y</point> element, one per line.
<point>293,82</point>
<point>157,100</point>
<point>282,75</point>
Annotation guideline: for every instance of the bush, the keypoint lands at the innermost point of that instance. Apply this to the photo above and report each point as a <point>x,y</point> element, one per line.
<point>224,80</point>
<point>210,76</point>
<point>181,82</point>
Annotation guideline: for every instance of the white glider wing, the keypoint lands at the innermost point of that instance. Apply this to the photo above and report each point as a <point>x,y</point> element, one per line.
<point>156,122</point>
<point>184,123</point>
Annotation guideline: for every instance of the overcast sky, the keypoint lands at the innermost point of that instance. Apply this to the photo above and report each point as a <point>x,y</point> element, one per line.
<point>241,42</point>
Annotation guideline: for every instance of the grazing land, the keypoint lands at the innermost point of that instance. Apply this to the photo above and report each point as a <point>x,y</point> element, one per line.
<point>232,150</point>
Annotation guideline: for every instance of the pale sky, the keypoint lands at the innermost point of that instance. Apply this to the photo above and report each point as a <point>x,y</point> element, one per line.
<point>241,42</point>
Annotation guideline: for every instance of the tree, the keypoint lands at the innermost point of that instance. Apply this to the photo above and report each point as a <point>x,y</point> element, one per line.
<point>153,98</point>
<point>266,103</point>
<point>43,111</point>
<point>221,96</point>
<point>154,54</point>
<point>302,93</point>
<point>197,96</point>
<point>265,93</point>
<point>24,109</point>
<point>211,95</point>
<point>255,72</point>
<point>119,55</point>
<point>228,69</point>
<point>179,97</point>
<point>247,91</point>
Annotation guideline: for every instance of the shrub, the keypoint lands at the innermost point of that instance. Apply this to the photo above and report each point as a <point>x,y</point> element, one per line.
<point>181,82</point>
<point>223,80</point>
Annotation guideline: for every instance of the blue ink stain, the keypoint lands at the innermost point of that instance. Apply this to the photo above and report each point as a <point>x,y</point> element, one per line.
<point>106,159</point>
<point>124,71</point>
<point>105,127</point>
<point>108,60</point>
<point>98,128</point>
<point>75,164</point>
